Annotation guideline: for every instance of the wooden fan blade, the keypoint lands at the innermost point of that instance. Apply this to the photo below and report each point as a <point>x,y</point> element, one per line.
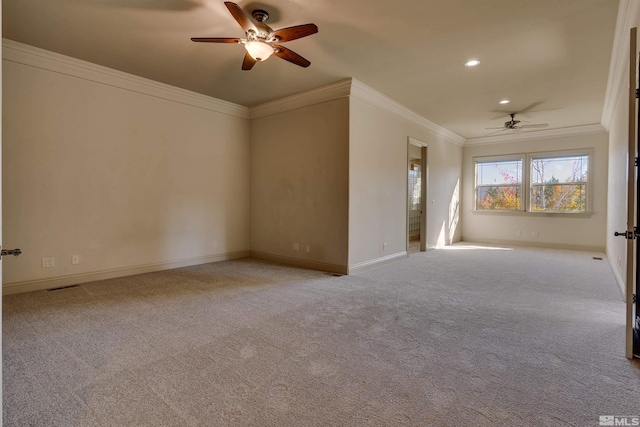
<point>241,16</point>
<point>215,39</point>
<point>291,56</point>
<point>293,33</point>
<point>248,62</point>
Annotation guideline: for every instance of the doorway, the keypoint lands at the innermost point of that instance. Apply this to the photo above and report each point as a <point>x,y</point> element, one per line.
<point>416,196</point>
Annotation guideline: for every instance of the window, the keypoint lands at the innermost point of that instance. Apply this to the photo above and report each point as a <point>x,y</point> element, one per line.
<point>559,184</point>
<point>499,184</point>
<point>552,183</point>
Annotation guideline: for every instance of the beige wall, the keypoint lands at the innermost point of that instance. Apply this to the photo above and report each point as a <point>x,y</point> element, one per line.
<point>554,231</point>
<point>299,185</point>
<point>378,184</point>
<point>333,176</point>
<point>121,178</point>
<point>133,182</point>
<point>128,180</point>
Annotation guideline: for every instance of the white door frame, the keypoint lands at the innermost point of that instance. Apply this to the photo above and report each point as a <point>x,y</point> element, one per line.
<point>424,183</point>
<point>0,201</point>
<point>631,198</point>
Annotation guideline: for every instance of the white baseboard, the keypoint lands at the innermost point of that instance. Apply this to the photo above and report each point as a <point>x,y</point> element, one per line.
<point>75,279</point>
<point>548,245</point>
<point>619,279</point>
<point>376,262</point>
<point>297,262</point>
<point>332,268</point>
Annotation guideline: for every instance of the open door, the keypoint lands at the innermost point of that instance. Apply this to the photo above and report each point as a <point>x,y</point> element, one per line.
<point>417,197</point>
<point>633,270</point>
<point>0,203</point>
<point>633,209</point>
<point>423,197</point>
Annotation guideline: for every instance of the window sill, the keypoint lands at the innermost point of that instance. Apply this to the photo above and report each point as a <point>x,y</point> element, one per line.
<point>535,214</point>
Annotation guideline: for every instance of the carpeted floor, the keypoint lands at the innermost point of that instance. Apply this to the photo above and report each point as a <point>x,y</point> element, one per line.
<point>465,336</point>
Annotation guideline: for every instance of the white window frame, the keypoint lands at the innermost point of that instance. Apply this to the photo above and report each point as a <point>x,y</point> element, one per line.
<point>498,159</point>
<point>558,155</point>
<point>526,184</point>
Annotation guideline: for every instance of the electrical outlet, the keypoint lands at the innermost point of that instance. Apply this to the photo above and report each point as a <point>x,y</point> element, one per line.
<point>308,248</point>
<point>535,234</point>
<point>384,246</point>
<point>296,247</point>
<point>48,262</point>
<point>518,233</point>
<point>75,259</point>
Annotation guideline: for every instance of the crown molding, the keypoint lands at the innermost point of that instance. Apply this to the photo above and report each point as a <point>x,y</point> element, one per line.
<point>307,98</point>
<point>628,11</point>
<point>540,134</point>
<point>371,96</point>
<point>35,57</point>
<point>354,88</point>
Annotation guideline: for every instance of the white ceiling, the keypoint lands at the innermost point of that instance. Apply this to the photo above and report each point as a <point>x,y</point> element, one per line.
<point>552,54</point>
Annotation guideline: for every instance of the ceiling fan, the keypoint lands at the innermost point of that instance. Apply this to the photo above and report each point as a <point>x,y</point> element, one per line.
<point>515,126</point>
<point>261,41</point>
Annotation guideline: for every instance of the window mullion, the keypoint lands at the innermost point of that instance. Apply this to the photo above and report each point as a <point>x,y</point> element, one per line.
<point>526,183</point>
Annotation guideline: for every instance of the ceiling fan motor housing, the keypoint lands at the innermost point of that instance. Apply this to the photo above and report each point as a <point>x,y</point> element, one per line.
<point>260,15</point>
<point>262,41</point>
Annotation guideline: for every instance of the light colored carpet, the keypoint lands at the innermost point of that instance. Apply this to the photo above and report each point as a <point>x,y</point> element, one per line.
<point>468,336</point>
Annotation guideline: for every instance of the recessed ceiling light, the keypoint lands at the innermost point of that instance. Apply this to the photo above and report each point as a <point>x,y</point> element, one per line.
<point>505,101</point>
<point>471,63</point>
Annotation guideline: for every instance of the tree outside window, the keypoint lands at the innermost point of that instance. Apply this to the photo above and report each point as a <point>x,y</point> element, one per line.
<point>553,183</point>
<point>559,184</point>
<point>499,185</point>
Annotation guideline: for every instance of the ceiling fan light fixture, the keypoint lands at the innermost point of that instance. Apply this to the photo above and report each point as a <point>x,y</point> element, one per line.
<point>260,51</point>
<point>471,63</point>
<point>505,101</point>
<point>261,41</point>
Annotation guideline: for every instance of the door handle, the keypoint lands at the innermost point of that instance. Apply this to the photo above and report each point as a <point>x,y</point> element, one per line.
<point>629,235</point>
<point>7,252</point>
